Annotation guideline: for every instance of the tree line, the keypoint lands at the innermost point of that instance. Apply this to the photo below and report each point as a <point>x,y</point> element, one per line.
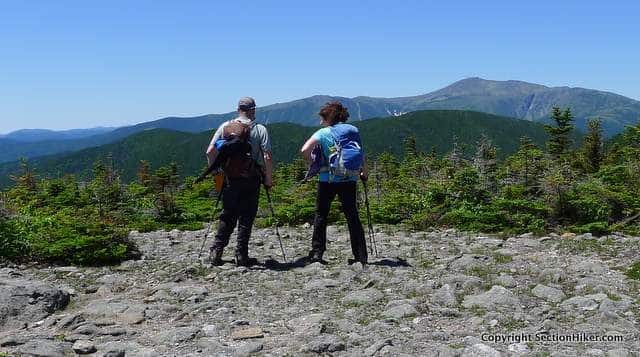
<point>591,186</point>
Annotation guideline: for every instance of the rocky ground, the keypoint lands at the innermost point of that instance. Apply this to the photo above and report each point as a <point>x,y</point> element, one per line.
<point>428,294</point>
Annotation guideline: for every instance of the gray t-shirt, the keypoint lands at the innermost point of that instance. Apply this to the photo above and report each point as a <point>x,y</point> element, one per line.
<point>259,137</point>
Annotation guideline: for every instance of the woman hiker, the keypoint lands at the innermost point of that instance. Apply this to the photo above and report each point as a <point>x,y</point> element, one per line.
<point>342,183</point>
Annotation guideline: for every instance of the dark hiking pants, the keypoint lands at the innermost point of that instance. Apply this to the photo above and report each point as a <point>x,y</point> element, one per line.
<point>239,206</point>
<point>346,192</point>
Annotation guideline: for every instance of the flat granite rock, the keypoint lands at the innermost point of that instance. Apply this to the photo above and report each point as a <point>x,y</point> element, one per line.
<point>23,301</point>
<point>247,333</point>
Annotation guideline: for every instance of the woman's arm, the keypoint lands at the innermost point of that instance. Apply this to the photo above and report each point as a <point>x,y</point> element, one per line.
<point>307,148</point>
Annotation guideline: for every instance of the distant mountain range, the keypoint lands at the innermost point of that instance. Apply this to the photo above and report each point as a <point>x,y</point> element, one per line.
<point>513,99</point>
<point>33,135</point>
<point>432,129</point>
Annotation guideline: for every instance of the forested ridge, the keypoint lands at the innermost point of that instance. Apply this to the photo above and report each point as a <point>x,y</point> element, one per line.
<point>433,130</point>
<point>561,185</point>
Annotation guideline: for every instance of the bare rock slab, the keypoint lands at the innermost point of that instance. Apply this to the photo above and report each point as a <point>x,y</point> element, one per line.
<point>324,344</point>
<point>506,280</point>
<point>320,284</point>
<point>548,293</point>
<point>363,297</point>
<point>584,303</point>
<point>178,335</point>
<point>400,311</point>
<point>24,301</point>
<point>469,261</point>
<point>445,296</point>
<point>83,347</point>
<point>308,325</point>
<point>480,350</point>
<point>248,349</point>
<point>496,298</point>
<point>46,348</point>
<point>128,313</point>
<point>247,333</point>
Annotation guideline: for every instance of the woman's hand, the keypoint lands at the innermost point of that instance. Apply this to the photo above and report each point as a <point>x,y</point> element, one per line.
<point>364,172</point>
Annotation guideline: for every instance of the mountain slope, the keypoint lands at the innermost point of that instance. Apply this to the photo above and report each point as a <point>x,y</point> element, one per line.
<point>533,102</point>
<point>513,99</point>
<point>432,129</point>
<point>33,135</point>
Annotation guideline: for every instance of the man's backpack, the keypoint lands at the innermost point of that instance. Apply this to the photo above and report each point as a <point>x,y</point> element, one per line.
<point>234,150</point>
<point>348,158</point>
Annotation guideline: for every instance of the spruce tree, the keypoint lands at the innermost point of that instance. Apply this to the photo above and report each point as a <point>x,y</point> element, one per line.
<point>592,146</point>
<point>106,192</point>
<point>560,140</point>
<point>485,163</point>
<point>144,173</point>
<point>456,154</point>
<point>26,179</point>
<point>166,181</point>
<point>410,147</point>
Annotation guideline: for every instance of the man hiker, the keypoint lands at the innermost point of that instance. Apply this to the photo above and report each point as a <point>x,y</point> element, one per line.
<point>244,171</point>
<point>342,163</point>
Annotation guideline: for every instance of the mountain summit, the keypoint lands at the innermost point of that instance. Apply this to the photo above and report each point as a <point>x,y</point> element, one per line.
<point>515,99</point>
<point>529,101</point>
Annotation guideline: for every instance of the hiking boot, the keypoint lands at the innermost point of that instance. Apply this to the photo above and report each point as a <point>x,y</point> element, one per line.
<point>244,260</point>
<point>353,261</point>
<point>315,257</point>
<point>216,257</point>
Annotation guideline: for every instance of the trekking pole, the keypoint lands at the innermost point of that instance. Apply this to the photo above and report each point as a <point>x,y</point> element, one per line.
<point>213,217</point>
<point>273,214</point>
<point>372,237</point>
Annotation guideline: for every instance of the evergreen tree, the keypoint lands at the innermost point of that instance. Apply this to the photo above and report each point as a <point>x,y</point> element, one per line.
<point>485,163</point>
<point>526,165</point>
<point>410,147</point>
<point>592,146</point>
<point>388,165</point>
<point>555,184</point>
<point>26,179</point>
<point>166,181</point>
<point>144,173</point>
<point>456,154</point>
<point>560,140</point>
<point>105,188</point>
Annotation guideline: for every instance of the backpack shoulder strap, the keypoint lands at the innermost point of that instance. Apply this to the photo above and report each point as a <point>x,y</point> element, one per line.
<point>335,134</point>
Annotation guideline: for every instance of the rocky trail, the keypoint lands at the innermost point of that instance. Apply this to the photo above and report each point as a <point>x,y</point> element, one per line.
<point>439,293</point>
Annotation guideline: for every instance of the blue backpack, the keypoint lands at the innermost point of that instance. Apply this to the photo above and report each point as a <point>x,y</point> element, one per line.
<point>348,158</point>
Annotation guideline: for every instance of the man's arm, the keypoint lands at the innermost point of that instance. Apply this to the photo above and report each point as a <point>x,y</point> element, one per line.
<point>211,154</point>
<point>268,169</point>
<point>265,147</point>
<point>211,150</point>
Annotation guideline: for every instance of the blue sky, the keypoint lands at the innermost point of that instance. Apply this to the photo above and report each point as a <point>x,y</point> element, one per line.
<point>75,64</point>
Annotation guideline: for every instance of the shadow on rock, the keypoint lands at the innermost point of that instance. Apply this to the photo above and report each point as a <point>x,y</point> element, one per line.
<point>391,262</point>
<point>272,264</point>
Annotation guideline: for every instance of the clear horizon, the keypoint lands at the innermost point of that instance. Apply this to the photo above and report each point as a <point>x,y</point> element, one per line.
<point>69,65</point>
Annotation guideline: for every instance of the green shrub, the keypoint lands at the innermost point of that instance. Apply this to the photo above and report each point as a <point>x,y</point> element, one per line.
<point>634,271</point>
<point>595,201</point>
<point>474,219</point>
<point>12,243</point>
<point>595,228</point>
<point>65,238</point>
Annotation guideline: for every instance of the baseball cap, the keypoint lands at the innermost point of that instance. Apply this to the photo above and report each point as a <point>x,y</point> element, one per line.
<point>246,103</point>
